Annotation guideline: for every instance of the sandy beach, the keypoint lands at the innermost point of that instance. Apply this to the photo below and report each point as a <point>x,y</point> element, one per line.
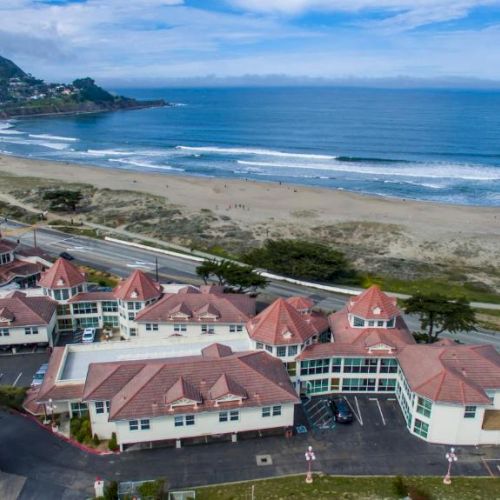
<point>377,227</point>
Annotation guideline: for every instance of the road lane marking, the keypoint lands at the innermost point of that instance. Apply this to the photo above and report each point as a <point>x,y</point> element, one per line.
<point>17,379</point>
<point>379,409</point>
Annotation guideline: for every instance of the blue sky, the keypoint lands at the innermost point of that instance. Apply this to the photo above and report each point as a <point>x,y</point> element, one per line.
<point>154,41</point>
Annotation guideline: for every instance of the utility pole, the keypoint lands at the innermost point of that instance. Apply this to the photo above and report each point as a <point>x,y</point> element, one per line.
<point>34,237</point>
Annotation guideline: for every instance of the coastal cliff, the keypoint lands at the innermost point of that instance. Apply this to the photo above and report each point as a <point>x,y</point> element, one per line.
<point>22,95</point>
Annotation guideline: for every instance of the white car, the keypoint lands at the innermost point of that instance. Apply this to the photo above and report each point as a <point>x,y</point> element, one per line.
<point>39,375</point>
<point>88,335</point>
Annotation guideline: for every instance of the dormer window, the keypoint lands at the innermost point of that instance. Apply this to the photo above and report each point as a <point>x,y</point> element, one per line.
<point>391,323</point>
<point>376,311</point>
<point>5,258</point>
<point>134,294</point>
<point>358,322</point>
<point>287,335</point>
<point>60,282</point>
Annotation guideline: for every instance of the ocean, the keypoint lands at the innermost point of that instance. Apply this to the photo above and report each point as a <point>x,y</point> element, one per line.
<point>435,145</point>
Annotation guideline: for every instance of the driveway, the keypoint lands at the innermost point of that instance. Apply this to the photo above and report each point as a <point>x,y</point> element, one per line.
<point>18,369</point>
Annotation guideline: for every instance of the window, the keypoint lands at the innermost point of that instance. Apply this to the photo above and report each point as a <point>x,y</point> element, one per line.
<point>62,294</point>
<point>31,330</point>
<point>269,348</point>
<point>209,329</point>
<point>180,328</point>
<point>4,258</point>
<point>92,322</point>
<point>380,323</point>
<point>358,321</point>
<point>321,385</point>
<point>266,411</point>
<point>181,420</point>
<point>152,327</point>
<point>371,322</point>
<point>360,365</point>
<point>336,365</point>
<point>65,324</point>
<point>232,416</point>
<point>63,310</point>
<point>145,425</point>
<point>424,406</point>
<point>110,320</point>
<point>281,351</point>
<point>131,315</point>
<point>388,365</point>
<point>291,368</point>
<point>292,350</point>
<point>276,411</point>
<point>391,323</point>
<point>421,428</point>
<point>358,384</point>
<point>4,332</point>
<point>470,412</point>
<point>335,384</point>
<point>99,407</point>
<point>315,366</point>
<point>108,404</point>
<point>85,308</point>
<point>133,332</point>
<point>133,425</point>
<point>235,328</point>
<point>109,306</point>
<point>79,409</point>
<point>259,345</point>
<point>387,384</point>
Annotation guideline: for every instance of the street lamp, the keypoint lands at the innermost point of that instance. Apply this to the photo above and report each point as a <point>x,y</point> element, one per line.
<point>451,457</point>
<point>310,456</point>
<point>51,407</point>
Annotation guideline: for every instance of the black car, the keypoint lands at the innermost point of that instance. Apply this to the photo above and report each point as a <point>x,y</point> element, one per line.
<point>341,411</point>
<point>66,255</point>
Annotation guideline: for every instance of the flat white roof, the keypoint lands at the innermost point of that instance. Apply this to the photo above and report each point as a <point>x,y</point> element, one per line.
<point>79,356</point>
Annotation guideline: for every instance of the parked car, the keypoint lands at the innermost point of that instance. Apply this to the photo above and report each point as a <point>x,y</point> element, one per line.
<point>341,411</point>
<point>66,255</point>
<point>39,375</point>
<point>88,335</point>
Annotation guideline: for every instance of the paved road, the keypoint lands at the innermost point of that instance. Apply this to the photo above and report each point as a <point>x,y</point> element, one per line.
<point>122,260</point>
<point>55,469</point>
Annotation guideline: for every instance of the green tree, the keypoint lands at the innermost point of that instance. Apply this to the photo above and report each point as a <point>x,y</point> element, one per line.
<point>438,313</point>
<point>301,259</point>
<point>229,273</point>
<point>89,91</point>
<point>63,199</point>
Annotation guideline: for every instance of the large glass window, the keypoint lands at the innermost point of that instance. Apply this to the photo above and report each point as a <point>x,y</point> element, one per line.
<point>336,365</point>
<point>79,409</point>
<point>92,322</point>
<point>63,310</point>
<point>358,322</point>
<point>470,412</point>
<point>292,350</point>
<point>110,320</point>
<point>109,306</point>
<point>281,351</point>
<point>4,332</point>
<point>358,384</point>
<point>387,384</point>
<point>315,366</point>
<point>421,428</point>
<point>388,365</point>
<point>424,406</point>
<point>315,386</point>
<point>360,365</point>
<point>85,308</point>
<point>291,368</point>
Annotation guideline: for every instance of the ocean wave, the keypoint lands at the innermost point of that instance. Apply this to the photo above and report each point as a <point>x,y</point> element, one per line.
<point>28,142</point>
<point>53,137</point>
<point>361,159</point>
<point>253,151</point>
<point>104,152</point>
<point>144,164</point>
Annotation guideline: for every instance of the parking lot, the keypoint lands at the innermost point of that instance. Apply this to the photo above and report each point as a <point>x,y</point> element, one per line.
<point>18,369</point>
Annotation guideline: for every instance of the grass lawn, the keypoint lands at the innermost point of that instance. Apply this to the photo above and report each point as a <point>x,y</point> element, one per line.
<point>355,488</point>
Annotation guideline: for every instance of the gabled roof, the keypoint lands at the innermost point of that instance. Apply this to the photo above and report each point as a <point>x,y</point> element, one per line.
<point>18,269</point>
<point>301,303</point>
<point>282,324</point>
<point>457,374</point>
<point>216,351</point>
<point>226,386</point>
<point>20,310</point>
<point>62,274</point>
<point>182,390</point>
<point>7,246</point>
<point>146,388</point>
<point>138,286</point>
<point>373,304</point>
<point>225,308</point>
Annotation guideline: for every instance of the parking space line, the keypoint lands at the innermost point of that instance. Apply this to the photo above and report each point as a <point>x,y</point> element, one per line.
<point>358,417</point>
<point>490,472</point>
<point>17,379</point>
<point>379,409</point>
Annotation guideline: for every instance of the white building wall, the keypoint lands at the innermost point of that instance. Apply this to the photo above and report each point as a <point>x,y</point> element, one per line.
<point>99,422</point>
<point>17,335</point>
<point>206,423</point>
<point>191,330</point>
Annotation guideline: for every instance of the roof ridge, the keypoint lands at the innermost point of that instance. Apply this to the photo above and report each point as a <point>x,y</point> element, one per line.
<point>104,380</point>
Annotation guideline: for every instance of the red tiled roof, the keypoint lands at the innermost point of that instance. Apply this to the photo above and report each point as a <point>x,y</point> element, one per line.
<point>216,351</point>
<point>20,310</point>
<point>62,274</point>
<point>226,386</point>
<point>92,297</point>
<point>301,303</point>
<point>373,304</point>
<point>181,389</point>
<point>138,286</point>
<point>262,377</point>
<point>282,324</point>
<point>226,308</point>
<point>7,246</point>
<point>18,269</point>
<point>451,373</point>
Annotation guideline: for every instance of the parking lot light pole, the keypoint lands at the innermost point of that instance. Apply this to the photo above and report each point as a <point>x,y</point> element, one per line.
<point>51,408</point>
<point>451,457</point>
<point>310,456</point>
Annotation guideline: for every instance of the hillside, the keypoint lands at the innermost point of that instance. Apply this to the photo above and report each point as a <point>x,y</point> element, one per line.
<point>21,94</point>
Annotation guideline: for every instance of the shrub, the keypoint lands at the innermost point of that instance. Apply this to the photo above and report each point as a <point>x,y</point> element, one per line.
<point>416,493</point>
<point>113,444</point>
<point>399,487</point>
<point>12,397</point>
<point>111,491</point>
<point>95,440</point>
<point>152,489</point>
